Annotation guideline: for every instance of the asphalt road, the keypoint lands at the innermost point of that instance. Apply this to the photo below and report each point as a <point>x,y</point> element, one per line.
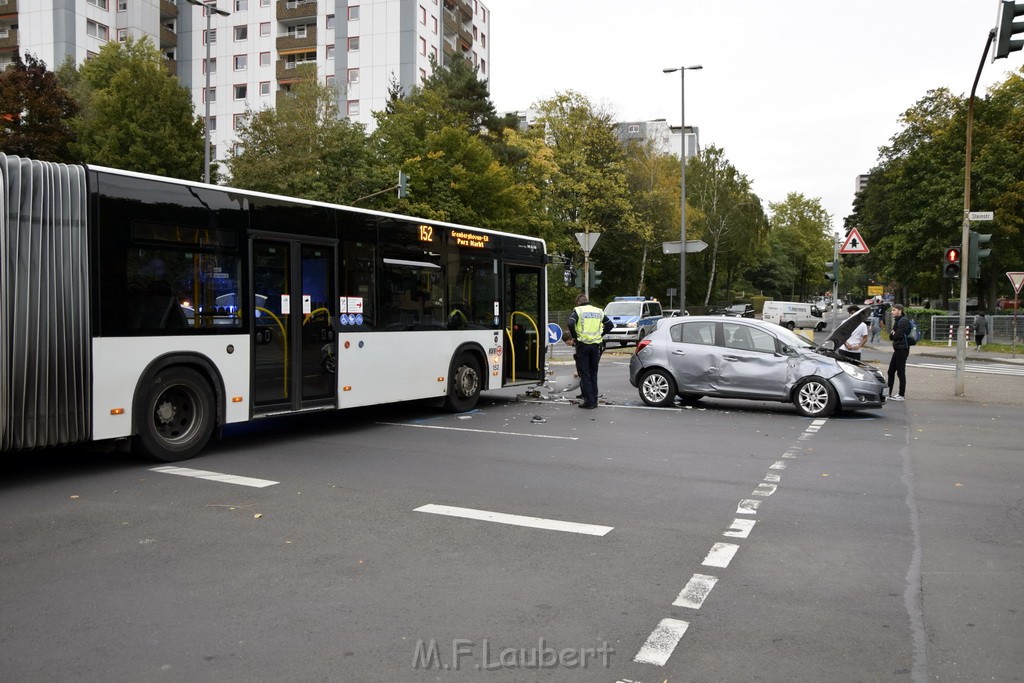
<point>730,541</point>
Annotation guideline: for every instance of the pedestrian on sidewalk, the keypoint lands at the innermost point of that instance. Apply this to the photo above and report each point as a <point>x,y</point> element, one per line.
<point>980,328</point>
<point>899,335</point>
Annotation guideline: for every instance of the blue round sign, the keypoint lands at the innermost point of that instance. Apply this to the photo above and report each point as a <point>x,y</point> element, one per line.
<point>554,333</point>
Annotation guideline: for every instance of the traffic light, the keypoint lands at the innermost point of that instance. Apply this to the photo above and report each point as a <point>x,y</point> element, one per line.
<point>975,253</point>
<point>833,270</point>
<point>595,276</point>
<point>570,276</point>
<point>951,262</point>
<point>1007,29</point>
<point>403,185</point>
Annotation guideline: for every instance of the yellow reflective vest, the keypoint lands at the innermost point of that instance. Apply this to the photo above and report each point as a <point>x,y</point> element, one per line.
<point>589,328</point>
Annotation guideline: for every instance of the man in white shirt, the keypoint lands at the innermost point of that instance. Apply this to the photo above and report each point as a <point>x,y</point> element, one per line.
<point>851,348</point>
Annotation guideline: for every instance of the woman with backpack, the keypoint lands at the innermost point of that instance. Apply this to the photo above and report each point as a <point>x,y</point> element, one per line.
<point>900,336</point>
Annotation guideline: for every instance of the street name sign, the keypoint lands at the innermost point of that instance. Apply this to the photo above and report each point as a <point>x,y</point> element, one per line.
<point>981,215</point>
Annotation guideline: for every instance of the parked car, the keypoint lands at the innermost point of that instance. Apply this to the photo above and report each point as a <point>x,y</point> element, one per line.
<point>793,314</point>
<point>673,312</point>
<point>737,310</point>
<point>699,356</point>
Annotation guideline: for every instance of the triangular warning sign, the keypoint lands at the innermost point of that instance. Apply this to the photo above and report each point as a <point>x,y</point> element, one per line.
<point>1016,279</point>
<point>854,244</point>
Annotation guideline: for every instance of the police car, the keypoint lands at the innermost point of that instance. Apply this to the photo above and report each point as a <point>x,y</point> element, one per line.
<point>634,317</point>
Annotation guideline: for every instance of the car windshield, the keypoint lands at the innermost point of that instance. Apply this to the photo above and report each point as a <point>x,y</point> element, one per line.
<point>792,339</point>
<point>622,308</point>
<point>739,308</point>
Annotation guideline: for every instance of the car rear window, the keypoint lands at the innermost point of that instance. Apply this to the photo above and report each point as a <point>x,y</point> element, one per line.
<point>694,333</point>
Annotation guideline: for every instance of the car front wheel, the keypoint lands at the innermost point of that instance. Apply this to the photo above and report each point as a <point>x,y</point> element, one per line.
<point>815,398</point>
<point>657,388</point>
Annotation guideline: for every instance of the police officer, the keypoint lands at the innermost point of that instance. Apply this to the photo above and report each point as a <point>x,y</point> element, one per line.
<point>588,324</point>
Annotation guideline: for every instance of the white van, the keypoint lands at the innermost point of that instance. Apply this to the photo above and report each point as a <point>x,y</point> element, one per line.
<point>792,314</point>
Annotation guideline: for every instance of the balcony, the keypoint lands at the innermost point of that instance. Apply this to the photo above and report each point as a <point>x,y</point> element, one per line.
<point>168,9</point>
<point>466,32</point>
<point>292,71</point>
<point>171,65</point>
<point>8,38</point>
<point>10,8</point>
<point>296,40</point>
<point>168,38</point>
<point>466,7</point>
<point>295,9</point>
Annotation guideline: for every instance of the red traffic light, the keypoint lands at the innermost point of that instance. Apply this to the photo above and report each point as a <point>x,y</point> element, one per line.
<point>953,255</point>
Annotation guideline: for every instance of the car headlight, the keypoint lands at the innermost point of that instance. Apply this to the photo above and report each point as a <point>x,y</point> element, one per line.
<point>631,325</point>
<point>852,370</point>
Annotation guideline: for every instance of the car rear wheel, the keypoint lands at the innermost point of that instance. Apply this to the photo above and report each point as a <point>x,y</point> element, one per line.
<point>815,398</point>
<point>177,415</point>
<point>657,388</point>
<point>820,327</point>
<point>791,325</point>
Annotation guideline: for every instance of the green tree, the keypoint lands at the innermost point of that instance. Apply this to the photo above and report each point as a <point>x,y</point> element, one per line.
<point>728,216</point>
<point>801,235</point>
<point>35,111</point>
<point>301,148</point>
<point>136,115</point>
<point>589,192</point>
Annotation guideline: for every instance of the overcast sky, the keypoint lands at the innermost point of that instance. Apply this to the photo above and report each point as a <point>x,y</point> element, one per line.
<point>799,93</point>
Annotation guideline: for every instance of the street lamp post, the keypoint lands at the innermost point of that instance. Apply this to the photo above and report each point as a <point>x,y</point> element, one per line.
<point>209,8</point>
<point>682,184</point>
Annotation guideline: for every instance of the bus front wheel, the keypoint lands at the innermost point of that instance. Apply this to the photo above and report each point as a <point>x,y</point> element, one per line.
<point>177,415</point>
<point>464,384</point>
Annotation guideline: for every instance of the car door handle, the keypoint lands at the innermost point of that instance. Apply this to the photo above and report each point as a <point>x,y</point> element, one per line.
<point>679,352</point>
<point>730,357</point>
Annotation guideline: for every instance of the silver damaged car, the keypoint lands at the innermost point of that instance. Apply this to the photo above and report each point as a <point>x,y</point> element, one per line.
<point>699,356</point>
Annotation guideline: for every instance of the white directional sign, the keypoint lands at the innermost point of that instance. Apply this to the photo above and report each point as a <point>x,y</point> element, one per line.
<point>1016,279</point>
<point>854,244</point>
<point>980,216</point>
<point>692,246</point>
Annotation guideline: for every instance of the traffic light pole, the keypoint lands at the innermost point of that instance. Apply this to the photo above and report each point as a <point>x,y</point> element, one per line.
<point>961,337</point>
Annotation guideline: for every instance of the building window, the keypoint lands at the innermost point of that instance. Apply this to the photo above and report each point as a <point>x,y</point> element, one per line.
<point>423,15</point>
<point>264,88</point>
<point>238,150</point>
<point>433,24</point>
<point>352,108</point>
<point>353,75</point>
<point>353,13</point>
<point>264,59</point>
<point>210,95</point>
<point>483,39</point>
<point>423,76</point>
<point>102,4</point>
<point>237,121</point>
<point>330,80</point>
<point>210,35</point>
<point>241,62</point>
<point>241,33</point>
<point>122,35</point>
<point>213,151</point>
<point>213,123</point>
<point>265,29</point>
<point>241,5</point>
<point>264,3</point>
<point>241,91</point>
<point>483,66</point>
<point>633,128</point>
<point>122,5</point>
<point>330,51</point>
<point>97,30</point>
<point>330,22</point>
<point>353,44</point>
<point>433,51</point>
<point>423,47</point>
<point>212,65</point>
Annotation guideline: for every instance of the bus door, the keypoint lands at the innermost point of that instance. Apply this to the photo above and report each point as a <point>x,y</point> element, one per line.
<point>525,324</point>
<point>296,305</point>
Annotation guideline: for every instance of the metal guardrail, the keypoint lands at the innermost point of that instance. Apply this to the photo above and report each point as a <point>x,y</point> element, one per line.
<point>1000,328</point>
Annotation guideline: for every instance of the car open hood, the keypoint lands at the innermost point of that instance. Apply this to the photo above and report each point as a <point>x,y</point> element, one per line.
<point>844,330</point>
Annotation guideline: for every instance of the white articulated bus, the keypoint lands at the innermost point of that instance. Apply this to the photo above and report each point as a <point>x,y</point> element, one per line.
<point>158,310</point>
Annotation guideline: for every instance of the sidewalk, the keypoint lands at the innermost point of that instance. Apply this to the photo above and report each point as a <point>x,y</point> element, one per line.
<point>949,352</point>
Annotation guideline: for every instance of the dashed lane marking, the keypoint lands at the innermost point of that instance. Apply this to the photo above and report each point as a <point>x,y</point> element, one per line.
<point>696,590</point>
<point>516,520</point>
<point>214,476</point>
<point>721,555</point>
<point>663,640</point>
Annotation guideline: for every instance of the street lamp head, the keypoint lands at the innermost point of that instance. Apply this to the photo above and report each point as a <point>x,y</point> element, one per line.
<point>695,67</point>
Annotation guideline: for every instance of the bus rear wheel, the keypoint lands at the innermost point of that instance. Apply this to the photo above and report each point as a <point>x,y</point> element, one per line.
<point>464,384</point>
<point>176,416</point>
